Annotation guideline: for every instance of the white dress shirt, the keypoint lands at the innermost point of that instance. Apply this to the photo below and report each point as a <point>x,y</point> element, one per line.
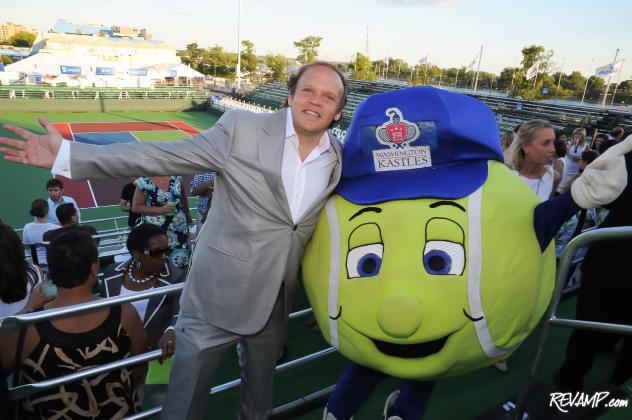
<point>304,181</point>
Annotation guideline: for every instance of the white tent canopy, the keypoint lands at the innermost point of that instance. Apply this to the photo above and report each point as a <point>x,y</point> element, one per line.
<point>48,65</point>
<point>175,70</point>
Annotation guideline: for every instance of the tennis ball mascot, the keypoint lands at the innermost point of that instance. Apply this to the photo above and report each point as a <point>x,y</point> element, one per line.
<point>433,259</point>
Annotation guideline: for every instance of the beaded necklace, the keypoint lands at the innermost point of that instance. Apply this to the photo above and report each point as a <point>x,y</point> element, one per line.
<point>134,280</point>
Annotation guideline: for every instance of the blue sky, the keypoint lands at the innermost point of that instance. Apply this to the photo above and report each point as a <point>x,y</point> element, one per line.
<point>449,31</point>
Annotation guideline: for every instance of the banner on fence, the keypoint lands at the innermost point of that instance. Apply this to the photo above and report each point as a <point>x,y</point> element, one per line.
<point>70,69</point>
<point>105,71</point>
<point>137,72</point>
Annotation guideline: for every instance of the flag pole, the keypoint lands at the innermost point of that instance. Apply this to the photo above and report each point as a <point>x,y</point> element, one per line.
<point>587,79</point>
<point>603,102</point>
<point>456,79</point>
<point>618,81</point>
<point>559,79</point>
<point>478,68</point>
<point>537,70</point>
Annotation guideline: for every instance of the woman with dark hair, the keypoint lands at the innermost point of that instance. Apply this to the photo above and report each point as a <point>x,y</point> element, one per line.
<point>148,268</point>
<point>33,232</point>
<point>51,349</point>
<point>18,277</point>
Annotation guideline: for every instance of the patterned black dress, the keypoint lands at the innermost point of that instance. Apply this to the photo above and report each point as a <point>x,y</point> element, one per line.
<point>107,396</point>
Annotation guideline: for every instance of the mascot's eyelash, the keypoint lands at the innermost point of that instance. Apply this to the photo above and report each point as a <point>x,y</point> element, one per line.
<point>337,316</point>
<point>471,318</point>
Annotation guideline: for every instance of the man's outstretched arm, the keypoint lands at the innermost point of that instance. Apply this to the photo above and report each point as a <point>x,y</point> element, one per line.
<point>204,152</point>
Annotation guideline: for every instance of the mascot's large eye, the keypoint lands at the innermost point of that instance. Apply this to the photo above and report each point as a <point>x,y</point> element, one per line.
<point>365,261</point>
<point>444,258</point>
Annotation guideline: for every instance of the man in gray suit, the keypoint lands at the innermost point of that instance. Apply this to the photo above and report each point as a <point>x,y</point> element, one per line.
<point>274,174</point>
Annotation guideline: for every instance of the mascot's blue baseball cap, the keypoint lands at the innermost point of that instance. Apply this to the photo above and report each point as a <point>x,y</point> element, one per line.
<point>417,142</point>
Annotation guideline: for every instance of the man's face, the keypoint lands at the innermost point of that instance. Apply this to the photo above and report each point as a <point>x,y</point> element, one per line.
<point>316,100</point>
<point>54,193</point>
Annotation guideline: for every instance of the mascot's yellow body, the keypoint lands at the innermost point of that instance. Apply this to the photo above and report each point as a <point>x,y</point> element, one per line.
<point>430,287</point>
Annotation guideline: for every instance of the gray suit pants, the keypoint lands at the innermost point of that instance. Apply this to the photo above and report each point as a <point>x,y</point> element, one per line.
<point>200,348</point>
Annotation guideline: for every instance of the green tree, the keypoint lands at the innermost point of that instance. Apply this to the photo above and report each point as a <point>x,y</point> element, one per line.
<point>574,82</point>
<point>22,39</point>
<point>192,56</point>
<point>363,67</point>
<point>526,88</point>
<point>5,59</point>
<point>277,64</point>
<point>308,49</point>
<point>398,68</point>
<point>216,58</point>
<point>624,92</point>
<point>249,61</point>
<point>507,78</point>
<point>231,65</point>
<point>596,88</point>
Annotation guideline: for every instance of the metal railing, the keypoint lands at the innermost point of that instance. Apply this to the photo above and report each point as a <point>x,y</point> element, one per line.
<point>26,390</point>
<point>52,93</point>
<point>565,262</point>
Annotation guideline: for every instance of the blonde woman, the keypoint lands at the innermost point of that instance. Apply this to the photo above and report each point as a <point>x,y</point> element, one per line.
<point>530,157</point>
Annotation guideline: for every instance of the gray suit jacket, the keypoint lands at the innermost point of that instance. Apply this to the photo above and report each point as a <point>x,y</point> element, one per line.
<point>249,245</point>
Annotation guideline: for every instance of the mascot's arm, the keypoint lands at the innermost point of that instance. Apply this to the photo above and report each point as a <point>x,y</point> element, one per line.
<point>601,183</point>
<point>549,216</point>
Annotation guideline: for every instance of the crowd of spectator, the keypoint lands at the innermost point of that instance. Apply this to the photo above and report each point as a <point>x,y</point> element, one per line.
<point>159,249</point>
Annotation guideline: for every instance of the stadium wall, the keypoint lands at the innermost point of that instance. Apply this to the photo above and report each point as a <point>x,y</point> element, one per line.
<point>100,105</point>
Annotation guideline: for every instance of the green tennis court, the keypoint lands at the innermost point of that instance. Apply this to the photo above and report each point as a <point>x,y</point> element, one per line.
<point>99,199</point>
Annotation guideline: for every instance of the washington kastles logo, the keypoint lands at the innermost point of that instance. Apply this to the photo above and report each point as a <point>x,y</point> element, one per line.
<point>398,134</point>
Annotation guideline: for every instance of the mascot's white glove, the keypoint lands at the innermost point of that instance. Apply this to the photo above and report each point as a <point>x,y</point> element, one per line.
<point>604,179</point>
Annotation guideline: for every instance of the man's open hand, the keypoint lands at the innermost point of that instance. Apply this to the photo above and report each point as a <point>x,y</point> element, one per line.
<point>38,150</point>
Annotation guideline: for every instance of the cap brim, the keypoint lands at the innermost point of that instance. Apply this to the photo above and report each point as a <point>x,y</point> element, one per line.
<point>447,182</point>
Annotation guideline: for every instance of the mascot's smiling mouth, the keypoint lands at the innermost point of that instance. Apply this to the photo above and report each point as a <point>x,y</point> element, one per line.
<point>409,351</point>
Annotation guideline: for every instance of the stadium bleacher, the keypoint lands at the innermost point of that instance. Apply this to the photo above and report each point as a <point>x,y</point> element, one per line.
<point>510,112</point>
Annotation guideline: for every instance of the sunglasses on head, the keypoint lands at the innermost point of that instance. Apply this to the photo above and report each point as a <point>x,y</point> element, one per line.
<point>157,252</point>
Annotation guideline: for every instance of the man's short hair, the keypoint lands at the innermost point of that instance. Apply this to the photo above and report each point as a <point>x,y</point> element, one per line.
<point>589,155</point>
<point>617,132</point>
<point>293,82</point>
<point>70,257</point>
<point>65,212</point>
<point>54,182</point>
<point>39,208</point>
